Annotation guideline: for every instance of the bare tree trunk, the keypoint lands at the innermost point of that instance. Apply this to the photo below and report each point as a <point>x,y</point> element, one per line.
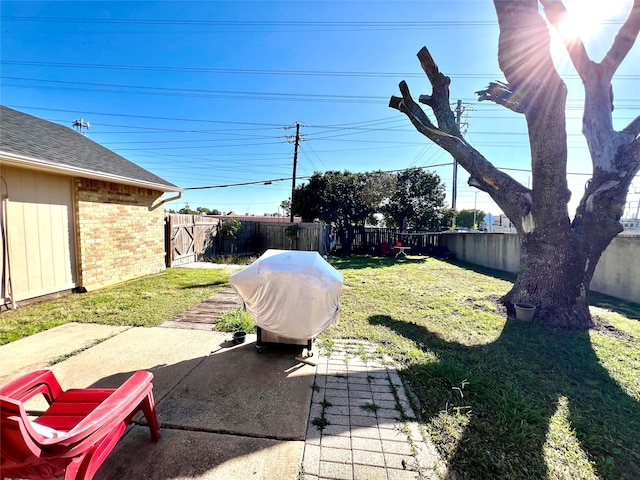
<point>558,256</point>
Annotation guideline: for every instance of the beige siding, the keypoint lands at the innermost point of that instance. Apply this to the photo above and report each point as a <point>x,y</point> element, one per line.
<point>40,231</point>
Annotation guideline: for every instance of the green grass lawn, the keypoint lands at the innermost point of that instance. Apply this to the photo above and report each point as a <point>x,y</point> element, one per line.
<point>501,399</point>
<point>148,301</point>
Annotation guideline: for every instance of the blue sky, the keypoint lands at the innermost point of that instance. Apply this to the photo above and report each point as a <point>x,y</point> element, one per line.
<point>201,93</point>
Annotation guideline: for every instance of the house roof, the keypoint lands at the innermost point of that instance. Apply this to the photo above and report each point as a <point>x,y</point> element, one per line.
<point>36,143</point>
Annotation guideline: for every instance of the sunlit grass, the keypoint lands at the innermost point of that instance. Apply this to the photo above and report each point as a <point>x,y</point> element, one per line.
<point>144,302</point>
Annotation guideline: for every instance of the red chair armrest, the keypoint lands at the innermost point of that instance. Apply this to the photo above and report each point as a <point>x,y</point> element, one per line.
<point>32,384</point>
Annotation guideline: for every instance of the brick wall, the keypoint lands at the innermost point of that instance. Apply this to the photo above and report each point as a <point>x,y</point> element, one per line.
<point>119,236</point>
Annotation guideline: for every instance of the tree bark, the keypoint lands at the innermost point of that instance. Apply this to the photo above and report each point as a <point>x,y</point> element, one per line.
<point>558,256</point>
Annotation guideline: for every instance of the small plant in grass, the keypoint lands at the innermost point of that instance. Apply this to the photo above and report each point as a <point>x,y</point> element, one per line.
<point>327,346</point>
<point>236,320</point>
<point>320,422</point>
<point>370,407</point>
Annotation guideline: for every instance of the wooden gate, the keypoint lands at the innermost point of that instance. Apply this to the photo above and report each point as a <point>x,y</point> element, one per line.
<point>180,235</point>
<point>188,238</point>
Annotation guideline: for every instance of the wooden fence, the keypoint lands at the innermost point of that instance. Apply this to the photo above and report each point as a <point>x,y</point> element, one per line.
<point>371,240</point>
<point>191,238</point>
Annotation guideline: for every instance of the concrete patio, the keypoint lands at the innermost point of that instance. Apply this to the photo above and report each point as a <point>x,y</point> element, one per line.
<point>227,412</point>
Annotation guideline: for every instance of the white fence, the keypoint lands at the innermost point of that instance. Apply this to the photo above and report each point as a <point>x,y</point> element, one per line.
<point>617,273</point>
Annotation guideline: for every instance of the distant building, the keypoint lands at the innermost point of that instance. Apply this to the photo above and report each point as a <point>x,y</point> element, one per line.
<point>631,226</point>
<point>499,224</point>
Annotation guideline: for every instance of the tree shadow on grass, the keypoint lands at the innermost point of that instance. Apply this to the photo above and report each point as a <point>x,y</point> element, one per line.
<point>629,309</point>
<point>504,399</point>
<point>207,284</point>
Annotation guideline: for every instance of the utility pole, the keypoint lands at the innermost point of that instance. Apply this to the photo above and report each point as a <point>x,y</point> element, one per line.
<point>475,203</point>
<point>295,164</point>
<point>454,186</point>
<point>454,191</point>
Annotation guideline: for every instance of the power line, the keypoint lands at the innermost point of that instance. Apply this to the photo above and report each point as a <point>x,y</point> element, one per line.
<point>152,117</point>
<point>253,23</point>
<point>247,71</point>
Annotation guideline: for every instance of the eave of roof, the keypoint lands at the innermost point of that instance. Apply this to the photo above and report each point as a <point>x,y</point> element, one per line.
<point>32,142</point>
<point>12,159</point>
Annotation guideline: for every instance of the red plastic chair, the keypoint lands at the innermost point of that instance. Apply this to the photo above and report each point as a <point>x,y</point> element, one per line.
<point>76,433</point>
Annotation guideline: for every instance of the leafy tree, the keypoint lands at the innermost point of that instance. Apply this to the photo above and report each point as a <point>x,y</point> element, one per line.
<point>187,211</point>
<point>418,196</point>
<point>558,255</point>
<point>446,218</point>
<point>343,199</point>
<point>464,218</point>
<point>231,229</point>
<point>285,205</point>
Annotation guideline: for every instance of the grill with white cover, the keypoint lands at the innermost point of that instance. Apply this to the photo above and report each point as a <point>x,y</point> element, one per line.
<point>292,295</point>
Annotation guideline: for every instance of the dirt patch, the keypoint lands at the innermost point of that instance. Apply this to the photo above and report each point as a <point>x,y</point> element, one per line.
<point>605,328</point>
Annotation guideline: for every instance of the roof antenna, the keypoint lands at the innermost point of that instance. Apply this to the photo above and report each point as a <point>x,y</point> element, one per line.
<point>80,124</point>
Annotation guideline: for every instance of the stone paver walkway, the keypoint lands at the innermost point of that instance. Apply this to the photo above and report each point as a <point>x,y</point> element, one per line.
<point>361,423</point>
<point>205,315</point>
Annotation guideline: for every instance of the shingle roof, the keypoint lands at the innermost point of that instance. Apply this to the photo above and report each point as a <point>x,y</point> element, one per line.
<point>58,146</point>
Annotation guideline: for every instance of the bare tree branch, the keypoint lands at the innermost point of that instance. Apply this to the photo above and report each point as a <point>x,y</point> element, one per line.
<point>623,42</point>
<point>502,94</point>
<point>633,128</point>
<point>439,100</point>
<point>555,12</point>
<point>447,135</point>
<point>524,54</point>
<point>420,120</point>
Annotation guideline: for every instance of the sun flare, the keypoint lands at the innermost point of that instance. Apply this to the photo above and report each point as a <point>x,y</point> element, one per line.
<point>582,22</point>
<point>585,18</point>
<point>588,22</point>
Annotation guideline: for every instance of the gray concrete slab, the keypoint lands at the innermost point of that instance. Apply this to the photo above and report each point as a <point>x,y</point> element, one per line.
<point>169,354</point>
<point>38,351</point>
<point>234,383</point>
<point>189,455</point>
<point>245,393</point>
